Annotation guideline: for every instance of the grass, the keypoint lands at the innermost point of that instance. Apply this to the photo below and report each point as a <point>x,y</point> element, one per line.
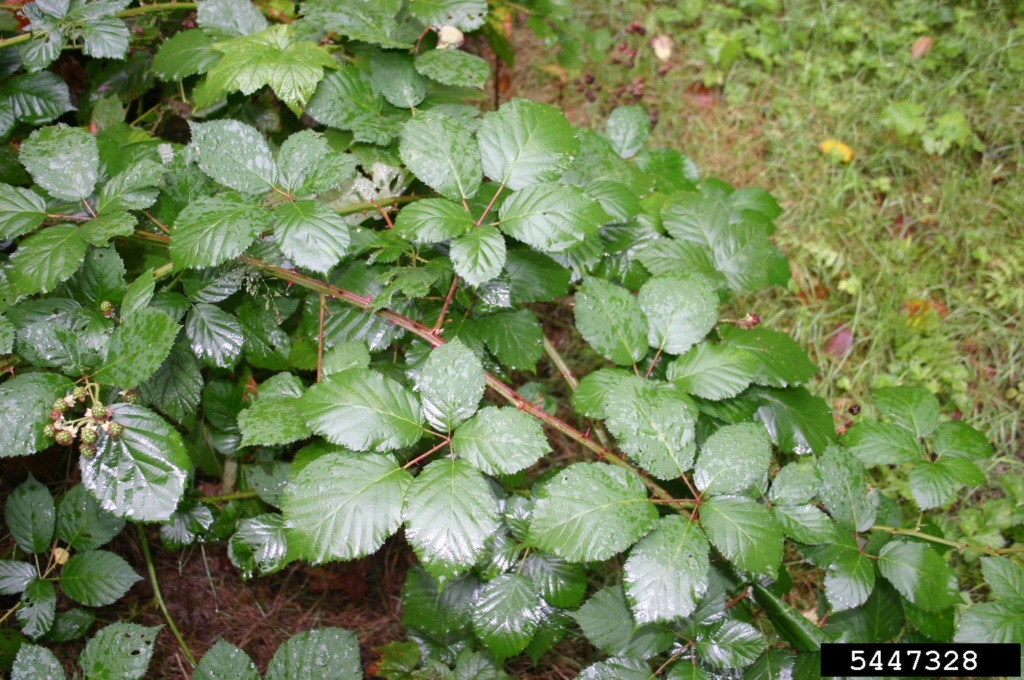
<point>916,258</point>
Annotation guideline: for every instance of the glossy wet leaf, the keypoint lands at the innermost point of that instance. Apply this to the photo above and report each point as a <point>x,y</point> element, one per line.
<point>989,622</point>
<point>653,424</point>
<point>627,128</point>
<point>730,644</point>
<point>935,483</point>
<point>562,584</point>
<point>273,421</point>
<point>343,506</point>
<point>713,371</point>
<point>21,211</point>
<point>844,492</point>
<point>879,618</point>
<point>881,444</point>
<point>185,54</point>
<point>680,312</point>
<point>433,220</point>
<point>591,511</point>
<point>479,255</point>
<point>449,514</point>
<point>25,401</point>
<point>914,409</point>
<point>215,229</point>
<point>796,420</point>
<point>453,67</point>
<point>524,143</point>
<point>666,574</point>
<point>501,440</point>
<point>744,532</point>
<point>466,15</point>
<point>443,613</point>
<point>38,608</point>
<point>618,668</point>
<point>224,661</point>
<point>850,580</point>
<point>607,622</point>
<point>791,625</point>
<point>121,650</point>
<point>82,523</point>
<point>394,74</point>
<point>16,576</point>
<point>30,515</point>
<point>36,663</point>
<point>97,578</point>
<point>733,459</point>
<point>516,338</point>
<point>804,523</point>
<point>442,152</point>
<point>919,574</point>
<point>505,616</point>
<point>551,217</point>
<point>780,361</point>
<point>137,348</point>
<point>312,235</point>
<point>364,411</point>
<point>611,321</point>
<point>1005,579</point>
<point>63,160</point>
<point>141,474</point>
<point>216,336</point>
<point>47,258</point>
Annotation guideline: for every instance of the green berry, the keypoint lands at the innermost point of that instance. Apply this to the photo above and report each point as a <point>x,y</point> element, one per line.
<point>65,438</point>
<point>115,430</point>
<point>79,393</point>
<point>107,308</point>
<point>99,411</point>
<point>60,405</point>
<point>88,435</point>
<point>132,397</point>
<point>87,450</point>
<point>49,431</point>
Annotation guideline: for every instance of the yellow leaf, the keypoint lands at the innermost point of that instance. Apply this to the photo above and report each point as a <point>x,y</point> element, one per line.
<point>836,150</point>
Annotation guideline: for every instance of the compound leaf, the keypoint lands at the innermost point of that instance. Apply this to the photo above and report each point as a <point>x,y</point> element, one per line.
<point>46,258</point>
<point>38,608</point>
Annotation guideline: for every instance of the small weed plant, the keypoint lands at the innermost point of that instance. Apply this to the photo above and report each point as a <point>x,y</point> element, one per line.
<point>310,269</point>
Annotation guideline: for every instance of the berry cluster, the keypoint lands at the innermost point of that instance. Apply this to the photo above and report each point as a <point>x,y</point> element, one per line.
<point>66,427</point>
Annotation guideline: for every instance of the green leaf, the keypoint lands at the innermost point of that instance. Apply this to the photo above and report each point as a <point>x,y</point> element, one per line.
<point>64,161</point>
<point>343,506</point>
<point>443,154</point>
<point>137,348</point>
<point>25,401</point>
<point>291,68</point>
<point>451,384</point>
<point>229,18</point>
<point>312,235</point>
<point>744,532</point>
<point>780,361</point>
<point>561,584</point>
<point>730,644</point>
<point>97,578</point>
<point>611,321</point>
<point>370,22</point>
<point>36,663</point>
<point>850,580</point>
<point>82,523</point>
<point>954,439</point>
<point>591,511</point>
<point>669,257</point>
<point>224,661</point>
<point>653,424</point>
<point>37,97</point>
<point>934,484</point>
<point>713,371</point>
<point>138,294</point>
<point>755,199</point>
<point>185,54</point>
<point>121,650</point>
<point>796,420</point>
<point>680,312</point>
<point>235,155</point>
<point>215,336</point>
<point>790,624</point>
<point>804,523</point>
<point>454,67</point>
<point>501,441</point>
<point>733,459</point>
<point>843,491</point>
<point>516,338</point>
<point>141,474</point>
<point>616,199</point>
<point>505,615</point>
<point>551,217</point>
<point>990,622</point>
<point>1005,579</point>
<point>21,211</point>
<point>479,255</point>
<point>7,335</point>
<point>524,143</point>
<point>919,574</point>
<point>272,421</point>
<point>175,388</point>
<point>16,576</point>
<point>30,516</point>
<point>879,619</point>
<point>266,345</point>
<point>627,128</point>
<point>104,37</point>
<point>100,230</point>
<point>881,444</point>
<point>259,544</point>
<point>466,15</point>
<point>394,75</point>
<point>449,514</point>
<point>914,409</point>
<point>134,188</point>
<point>446,613</point>
<point>347,100</point>
<point>906,118</point>
<point>741,250</point>
<point>625,668</point>
<point>346,355</point>
<point>667,572</point>
<point>38,608</point>
<point>214,229</point>
<point>591,396</point>
<point>364,411</point>
<point>609,625</point>
<point>46,258</point>
<point>307,166</point>
<point>433,220</point>
<point>535,277</point>
<point>70,625</point>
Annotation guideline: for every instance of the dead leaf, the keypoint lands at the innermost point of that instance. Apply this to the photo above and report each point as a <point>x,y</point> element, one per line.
<point>836,150</point>
<point>840,342</point>
<point>662,46</point>
<point>921,47</point>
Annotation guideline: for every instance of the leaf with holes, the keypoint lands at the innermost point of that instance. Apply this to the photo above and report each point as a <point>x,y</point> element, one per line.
<point>121,650</point>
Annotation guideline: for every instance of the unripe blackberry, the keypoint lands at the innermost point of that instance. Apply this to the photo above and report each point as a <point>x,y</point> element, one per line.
<point>65,438</point>
<point>89,435</point>
<point>79,393</point>
<point>115,430</point>
<point>60,405</point>
<point>99,411</point>
<point>131,396</point>
<point>107,308</point>
<point>87,450</point>
<point>49,431</point>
